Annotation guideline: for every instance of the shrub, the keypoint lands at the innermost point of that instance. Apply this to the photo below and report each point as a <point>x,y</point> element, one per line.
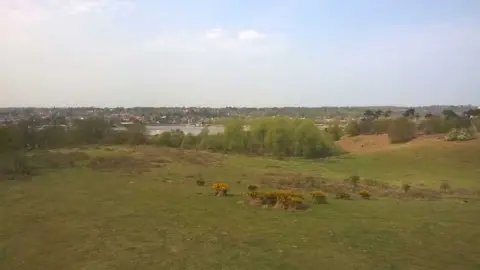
<point>401,130</point>
<point>335,131</point>
<point>444,186</point>
<point>381,126</point>
<point>352,128</point>
<point>461,134</point>
<point>406,187</point>
<point>436,125</point>
<point>354,180</point>
<point>366,126</point>
<point>220,188</point>
<point>200,182</point>
<point>319,197</point>
<point>342,195</point>
<point>252,188</point>
<point>285,199</point>
<point>365,194</point>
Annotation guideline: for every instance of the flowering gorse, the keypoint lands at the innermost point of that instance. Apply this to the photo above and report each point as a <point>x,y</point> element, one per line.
<point>220,188</point>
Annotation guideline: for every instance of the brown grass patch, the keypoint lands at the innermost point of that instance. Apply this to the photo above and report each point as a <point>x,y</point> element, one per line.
<point>167,155</point>
<point>288,180</point>
<point>126,164</point>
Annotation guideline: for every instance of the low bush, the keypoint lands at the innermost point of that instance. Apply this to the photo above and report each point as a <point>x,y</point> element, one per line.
<point>200,182</point>
<point>445,186</point>
<point>461,134</point>
<point>284,199</point>
<point>365,194</point>
<point>342,195</point>
<point>252,187</point>
<point>319,197</point>
<point>220,188</point>
<point>406,187</point>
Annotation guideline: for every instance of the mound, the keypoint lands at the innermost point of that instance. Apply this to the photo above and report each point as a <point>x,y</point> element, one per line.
<point>381,143</point>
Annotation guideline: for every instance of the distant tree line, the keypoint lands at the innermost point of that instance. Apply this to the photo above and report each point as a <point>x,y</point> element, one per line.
<point>406,127</point>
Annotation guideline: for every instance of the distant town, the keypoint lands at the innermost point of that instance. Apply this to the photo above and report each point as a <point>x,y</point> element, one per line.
<point>200,116</point>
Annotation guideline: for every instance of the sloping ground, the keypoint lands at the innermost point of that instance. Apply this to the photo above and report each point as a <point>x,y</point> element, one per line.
<point>84,218</point>
<point>378,143</point>
<point>427,160</point>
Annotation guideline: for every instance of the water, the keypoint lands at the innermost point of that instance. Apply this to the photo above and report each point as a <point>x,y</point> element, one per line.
<point>157,129</point>
<point>153,130</point>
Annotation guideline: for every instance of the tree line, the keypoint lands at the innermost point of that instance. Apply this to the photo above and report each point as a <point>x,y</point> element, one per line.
<point>276,136</point>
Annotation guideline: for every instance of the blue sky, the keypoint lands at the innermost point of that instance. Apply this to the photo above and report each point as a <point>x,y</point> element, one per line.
<point>239,53</point>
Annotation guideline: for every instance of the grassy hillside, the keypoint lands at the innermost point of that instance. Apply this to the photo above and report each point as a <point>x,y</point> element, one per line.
<point>139,208</point>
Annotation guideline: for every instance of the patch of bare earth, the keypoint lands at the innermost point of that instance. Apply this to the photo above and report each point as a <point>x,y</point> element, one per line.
<point>379,143</point>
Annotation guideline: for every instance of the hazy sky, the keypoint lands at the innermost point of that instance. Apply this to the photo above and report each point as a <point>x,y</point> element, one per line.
<point>239,52</point>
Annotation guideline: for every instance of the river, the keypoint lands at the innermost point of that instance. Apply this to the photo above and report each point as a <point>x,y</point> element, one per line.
<point>157,129</point>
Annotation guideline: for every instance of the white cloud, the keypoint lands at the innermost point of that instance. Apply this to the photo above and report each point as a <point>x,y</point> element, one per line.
<point>250,35</point>
<point>218,40</point>
<point>214,33</point>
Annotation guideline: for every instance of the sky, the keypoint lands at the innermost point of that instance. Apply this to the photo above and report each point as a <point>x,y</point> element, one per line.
<point>110,53</point>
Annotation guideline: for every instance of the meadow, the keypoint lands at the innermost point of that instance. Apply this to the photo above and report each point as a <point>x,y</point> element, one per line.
<point>140,207</point>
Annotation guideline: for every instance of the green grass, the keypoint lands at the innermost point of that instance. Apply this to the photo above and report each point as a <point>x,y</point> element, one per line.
<point>83,219</point>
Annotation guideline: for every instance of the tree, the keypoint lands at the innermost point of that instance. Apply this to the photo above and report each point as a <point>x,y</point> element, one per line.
<point>449,114</point>
<point>472,113</point>
<point>387,113</point>
<point>369,114</point>
<point>234,135</point>
<point>189,141</point>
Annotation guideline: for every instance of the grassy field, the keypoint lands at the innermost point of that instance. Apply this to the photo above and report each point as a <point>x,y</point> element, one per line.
<point>141,209</point>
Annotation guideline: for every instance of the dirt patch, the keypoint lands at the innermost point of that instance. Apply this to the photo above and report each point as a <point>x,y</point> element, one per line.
<point>127,164</point>
<point>378,143</point>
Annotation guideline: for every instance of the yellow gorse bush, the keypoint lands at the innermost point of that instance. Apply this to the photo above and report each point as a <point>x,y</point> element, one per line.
<point>365,194</point>
<point>283,198</point>
<point>220,188</point>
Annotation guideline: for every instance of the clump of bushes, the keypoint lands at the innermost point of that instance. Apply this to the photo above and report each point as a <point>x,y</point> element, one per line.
<point>284,199</point>
<point>220,188</point>
<point>401,130</point>
<point>365,194</point>
<point>319,197</point>
<point>461,134</point>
